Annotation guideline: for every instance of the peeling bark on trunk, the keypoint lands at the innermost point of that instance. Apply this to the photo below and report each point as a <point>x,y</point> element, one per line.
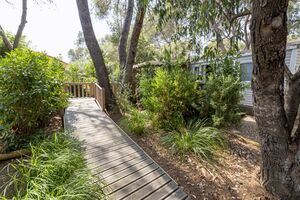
<point>22,24</point>
<point>247,39</point>
<point>124,35</point>
<point>94,50</point>
<point>137,28</point>
<point>280,155</point>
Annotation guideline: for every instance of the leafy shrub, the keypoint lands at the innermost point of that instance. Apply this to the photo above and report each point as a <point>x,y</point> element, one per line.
<point>12,141</point>
<point>224,94</point>
<point>223,88</point>
<point>122,96</point>
<point>56,170</point>
<point>31,89</point>
<point>170,94</point>
<point>134,122</point>
<point>196,138</point>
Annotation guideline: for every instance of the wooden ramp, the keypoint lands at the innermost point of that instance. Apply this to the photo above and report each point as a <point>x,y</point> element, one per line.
<point>126,169</point>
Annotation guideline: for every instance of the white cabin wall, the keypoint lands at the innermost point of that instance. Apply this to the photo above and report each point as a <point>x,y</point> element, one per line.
<point>292,60</point>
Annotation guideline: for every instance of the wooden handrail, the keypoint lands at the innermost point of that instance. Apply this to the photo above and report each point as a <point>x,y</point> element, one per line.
<point>100,96</point>
<point>81,90</point>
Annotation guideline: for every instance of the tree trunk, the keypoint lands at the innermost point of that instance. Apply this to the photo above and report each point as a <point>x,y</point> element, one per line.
<point>247,39</point>
<point>21,27</point>
<point>124,35</point>
<point>5,40</point>
<point>280,155</point>
<point>94,49</point>
<point>137,28</point>
<point>22,24</point>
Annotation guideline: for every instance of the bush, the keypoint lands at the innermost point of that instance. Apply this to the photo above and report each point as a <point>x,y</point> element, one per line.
<point>56,170</point>
<point>170,94</point>
<point>223,89</point>
<point>134,122</point>
<point>31,89</point>
<point>197,139</point>
<point>224,94</point>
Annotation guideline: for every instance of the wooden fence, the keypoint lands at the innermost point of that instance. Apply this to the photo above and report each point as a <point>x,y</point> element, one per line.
<point>81,90</point>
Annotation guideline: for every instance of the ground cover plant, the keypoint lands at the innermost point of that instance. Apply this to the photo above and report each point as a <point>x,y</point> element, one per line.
<point>195,138</point>
<point>56,170</point>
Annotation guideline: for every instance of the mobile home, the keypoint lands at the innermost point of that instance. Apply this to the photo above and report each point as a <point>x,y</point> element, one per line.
<point>292,60</point>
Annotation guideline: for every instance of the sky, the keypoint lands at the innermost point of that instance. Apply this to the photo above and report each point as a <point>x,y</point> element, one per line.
<point>52,28</point>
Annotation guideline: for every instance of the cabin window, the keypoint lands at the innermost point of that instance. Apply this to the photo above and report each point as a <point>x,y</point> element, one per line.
<point>196,70</point>
<point>246,70</point>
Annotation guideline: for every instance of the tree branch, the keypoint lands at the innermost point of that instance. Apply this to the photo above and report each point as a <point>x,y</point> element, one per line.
<point>292,97</point>
<point>242,14</point>
<point>22,25</point>
<point>287,72</point>
<point>5,39</point>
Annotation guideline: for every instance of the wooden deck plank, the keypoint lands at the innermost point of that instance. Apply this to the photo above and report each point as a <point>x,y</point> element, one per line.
<point>119,152</point>
<point>149,188</point>
<point>178,194</point>
<point>163,192</point>
<point>126,169</point>
<point>123,188</point>
<point>101,161</point>
<point>114,160</point>
<point>131,165</point>
<point>119,162</point>
<point>101,150</point>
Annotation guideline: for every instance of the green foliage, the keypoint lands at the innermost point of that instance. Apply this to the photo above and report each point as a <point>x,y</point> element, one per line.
<point>224,94</point>
<point>223,88</point>
<point>170,95</point>
<point>81,72</point>
<point>197,139</point>
<point>12,141</point>
<point>122,97</point>
<point>3,49</point>
<point>73,73</point>
<point>31,89</point>
<point>134,122</point>
<point>198,19</point>
<point>56,170</point>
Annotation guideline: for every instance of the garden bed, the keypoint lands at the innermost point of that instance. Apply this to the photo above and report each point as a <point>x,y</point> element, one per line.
<point>234,174</point>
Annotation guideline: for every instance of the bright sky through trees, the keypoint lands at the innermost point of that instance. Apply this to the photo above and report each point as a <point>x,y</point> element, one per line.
<point>51,27</point>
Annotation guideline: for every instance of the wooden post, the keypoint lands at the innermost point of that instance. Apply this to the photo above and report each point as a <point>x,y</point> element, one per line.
<point>103,99</point>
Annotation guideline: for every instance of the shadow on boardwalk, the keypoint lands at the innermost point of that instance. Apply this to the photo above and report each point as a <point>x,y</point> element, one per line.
<point>128,172</point>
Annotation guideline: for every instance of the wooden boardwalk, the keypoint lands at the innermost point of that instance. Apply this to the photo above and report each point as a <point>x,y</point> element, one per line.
<point>127,170</point>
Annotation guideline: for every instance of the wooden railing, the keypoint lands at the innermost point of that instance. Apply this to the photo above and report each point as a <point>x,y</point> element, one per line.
<point>100,96</point>
<point>81,90</point>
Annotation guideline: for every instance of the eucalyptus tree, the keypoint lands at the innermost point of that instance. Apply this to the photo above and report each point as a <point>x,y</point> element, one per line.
<point>94,50</point>
<point>275,106</point>
<point>10,46</point>
<point>276,101</point>
<point>219,20</point>
<point>128,43</point>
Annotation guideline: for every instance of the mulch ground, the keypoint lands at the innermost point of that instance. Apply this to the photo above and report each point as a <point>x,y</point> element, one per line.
<point>234,174</point>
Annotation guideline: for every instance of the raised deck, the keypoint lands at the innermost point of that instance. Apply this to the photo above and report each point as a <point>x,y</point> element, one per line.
<point>127,170</point>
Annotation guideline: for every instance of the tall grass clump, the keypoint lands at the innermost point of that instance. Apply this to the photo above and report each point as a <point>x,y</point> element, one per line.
<point>56,170</point>
<point>195,138</point>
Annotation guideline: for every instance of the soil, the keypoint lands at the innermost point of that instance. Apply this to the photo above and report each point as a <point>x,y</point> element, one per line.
<point>233,175</point>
